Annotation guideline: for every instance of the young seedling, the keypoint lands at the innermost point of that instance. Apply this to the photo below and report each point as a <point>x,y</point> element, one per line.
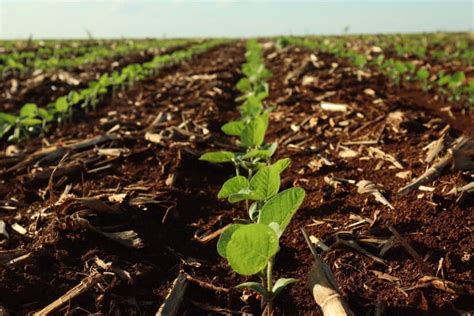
<point>250,249</point>
<point>423,76</point>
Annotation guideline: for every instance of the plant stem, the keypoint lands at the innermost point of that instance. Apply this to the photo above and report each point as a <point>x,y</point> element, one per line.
<point>248,177</point>
<point>270,287</point>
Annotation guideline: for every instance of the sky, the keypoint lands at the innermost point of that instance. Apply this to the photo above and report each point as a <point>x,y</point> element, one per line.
<point>227,18</point>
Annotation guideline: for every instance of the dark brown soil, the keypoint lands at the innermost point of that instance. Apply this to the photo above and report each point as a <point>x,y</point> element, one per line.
<point>422,220</point>
<point>171,196</point>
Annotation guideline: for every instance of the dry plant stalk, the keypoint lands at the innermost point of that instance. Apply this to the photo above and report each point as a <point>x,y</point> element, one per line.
<point>460,145</point>
<point>86,283</point>
<point>323,286</point>
<point>410,250</point>
<point>206,239</point>
<point>173,300</point>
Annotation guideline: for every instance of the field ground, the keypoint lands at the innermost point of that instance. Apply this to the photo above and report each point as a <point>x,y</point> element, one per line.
<point>118,195</point>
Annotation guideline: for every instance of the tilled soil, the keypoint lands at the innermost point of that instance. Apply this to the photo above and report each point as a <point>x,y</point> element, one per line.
<point>144,176</point>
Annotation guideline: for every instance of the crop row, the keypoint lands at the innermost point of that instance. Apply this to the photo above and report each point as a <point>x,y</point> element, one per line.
<point>26,56</point>
<point>435,46</point>
<point>34,120</point>
<point>250,245</point>
<point>43,49</point>
<point>36,45</point>
<point>22,63</point>
<point>438,46</point>
<point>455,86</point>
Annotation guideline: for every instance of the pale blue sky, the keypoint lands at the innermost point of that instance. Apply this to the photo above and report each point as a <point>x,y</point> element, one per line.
<point>186,18</point>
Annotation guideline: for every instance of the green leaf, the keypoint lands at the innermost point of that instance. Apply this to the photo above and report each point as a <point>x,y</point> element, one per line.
<point>74,97</point>
<point>253,133</point>
<point>250,248</point>
<point>225,238</point>
<point>8,118</point>
<point>281,208</point>
<point>233,186</point>
<point>260,153</point>
<point>272,148</point>
<point>233,128</point>
<point>29,121</point>
<point>218,156</point>
<point>360,60</point>
<point>265,117</point>
<point>458,77</point>
<point>61,105</point>
<point>400,67</point>
<point>244,85</point>
<point>444,79</point>
<point>282,164</point>
<point>422,74</point>
<point>45,115</point>
<point>252,106</point>
<point>29,110</point>
<point>265,183</point>
<point>244,194</point>
<point>254,286</point>
<point>281,283</point>
<point>262,95</point>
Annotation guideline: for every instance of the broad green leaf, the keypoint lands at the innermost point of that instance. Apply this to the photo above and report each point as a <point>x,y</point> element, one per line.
<point>262,95</point>
<point>244,194</point>
<point>8,118</point>
<point>281,208</point>
<point>29,121</point>
<point>458,77</point>
<point>470,88</point>
<point>282,164</point>
<point>400,67</point>
<point>233,186</point>
<point>233,128</point>
<point>254,286</point>
<point>272,148</point>
<point>265,117</point>
<point>104,79</point>
<point>45,115</point>
<point>422,74</point>
<point>225,238</point>
<point>260,153</point>
<point>244,85</point>
<point>252,106</point>
<point>281,283</point>
<point>74,97</point>
<point>444,80</point>
<point>265,183</point>
<point>250,248</point>
<point>253,133</point>
<point>61,104</point>
<point>218,156</point>
<point>29,110</point>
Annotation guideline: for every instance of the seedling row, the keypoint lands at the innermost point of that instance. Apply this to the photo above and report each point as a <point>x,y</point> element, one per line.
<point>35,120</point>
<point>453,85</point>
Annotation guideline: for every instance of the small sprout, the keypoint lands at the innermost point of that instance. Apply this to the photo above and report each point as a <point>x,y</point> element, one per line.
<point>423,75</point>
